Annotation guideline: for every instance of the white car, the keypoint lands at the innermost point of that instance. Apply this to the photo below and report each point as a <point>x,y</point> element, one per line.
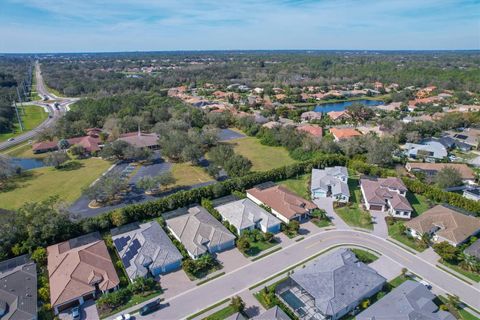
<point>125,316</point>
<point>426,284</point>
<point>11,139</point>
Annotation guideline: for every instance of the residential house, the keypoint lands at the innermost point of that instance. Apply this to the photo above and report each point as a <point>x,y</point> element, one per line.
<point>145,250</point>
<point>310,115</point>
<point>140,139</point>
<point>470,136</point>
<point>450,143</point>
<point>79,269</point>
<point>472,193</point>
<point>200,232</point>
<point>285,205</point>
<point>344,133</point>
<point>410,300</point>
<point>312,130</point>
<point>339,115</point>
<point>430,150</point>
<point>473,250</point>
<point>386,195</point>
<point>330,286</point>
<point>331,182</point>
<point>91,143</point>
<point>18,289</point>
<point>444,223</point>
<point>274,313</point>
<point>244,214</point>
<point>431,169</point>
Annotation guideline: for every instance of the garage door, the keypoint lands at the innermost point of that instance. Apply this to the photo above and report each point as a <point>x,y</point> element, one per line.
<point>375,207</point>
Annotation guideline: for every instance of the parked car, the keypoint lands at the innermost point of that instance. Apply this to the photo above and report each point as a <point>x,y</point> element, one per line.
<point>426,284</point>
<point>76,313</point>
<point>150,307</point>
<point>11,139</point>
<point>124,316</point>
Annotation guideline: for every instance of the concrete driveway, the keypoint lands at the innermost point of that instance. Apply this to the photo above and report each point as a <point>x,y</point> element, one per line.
<point>327,205</point>
<point>386,267</point>
<point>379,224</point>
<point>231,259</point>
<point>88,311</point>
<point>174,283</point>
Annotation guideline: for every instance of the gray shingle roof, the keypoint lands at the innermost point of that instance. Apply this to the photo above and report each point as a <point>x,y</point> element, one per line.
<point>474,249</point>
<point>18,289</point>
<point>274,313</point>
<point>410,301</point>
<point>336,280</point>
<point>321,179</point>
<point>144,246</point>
<point>245,213</point>
<point>198,230</point>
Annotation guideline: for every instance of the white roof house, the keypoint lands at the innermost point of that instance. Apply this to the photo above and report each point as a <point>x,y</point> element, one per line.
<point>245,214</point>
<point>430,149</point>
<point>330,182</point>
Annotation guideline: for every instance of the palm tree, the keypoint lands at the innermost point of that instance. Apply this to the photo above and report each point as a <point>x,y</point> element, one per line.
<point>469,263</point>
<point>425,239</point>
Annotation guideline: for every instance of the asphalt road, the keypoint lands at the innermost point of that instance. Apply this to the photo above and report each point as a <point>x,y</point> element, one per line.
<point>233,283</point>
<point>64,103</point>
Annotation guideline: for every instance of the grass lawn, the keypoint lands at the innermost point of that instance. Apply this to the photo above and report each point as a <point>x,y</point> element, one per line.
<point>467,316</point>
<point>44,182</point>
<point>221,314</point>
<point>353,214</point>
<point>259,246</point>
<point>364,256</point>
<point>186,174</point>
<point>395,231</point>
<point>419,203</point>
<point>298,185</point>
<point>471,275</point>
<point>23,151</point>
<point>34,115</point>
<point>321,223</point>
<point>263,157</point>
<point>395,282</point>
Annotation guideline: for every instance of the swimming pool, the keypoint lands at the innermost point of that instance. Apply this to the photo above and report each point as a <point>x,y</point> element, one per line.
<point>294,303</point>
<point>340,106</point>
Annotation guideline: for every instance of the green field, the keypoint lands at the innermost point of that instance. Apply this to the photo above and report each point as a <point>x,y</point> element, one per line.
<point>41,183</point>
<point>353,214</point>
<point>34,115</point>
<point>186,174</point>
<point>263,157</point>
<point>298,185</point>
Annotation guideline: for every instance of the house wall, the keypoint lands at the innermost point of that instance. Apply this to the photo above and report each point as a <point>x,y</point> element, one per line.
<point>274,228</point>
<point>222,246</point>
<point>400,214</point>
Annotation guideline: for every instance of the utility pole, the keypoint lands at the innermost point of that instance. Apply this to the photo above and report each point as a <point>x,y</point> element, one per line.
<point>18,115</point>
<point>20,100</point>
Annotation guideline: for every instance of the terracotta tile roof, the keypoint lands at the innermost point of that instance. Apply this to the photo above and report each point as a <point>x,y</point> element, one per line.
<point>90,143</point>
<point>344,133</point>
<point>377,190</point>
<point>465,171</point>
<point>282,200</point>
<point>75,266</point>
<point>334,115</point>
<point>315,131</point>
<point>454,225</point>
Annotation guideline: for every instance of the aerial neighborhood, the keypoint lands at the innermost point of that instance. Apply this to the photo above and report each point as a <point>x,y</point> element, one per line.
<point>242,185</point>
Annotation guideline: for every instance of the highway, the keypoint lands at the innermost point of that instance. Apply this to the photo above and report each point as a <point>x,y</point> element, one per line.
<point>55,114</point>
<point>234,282</point>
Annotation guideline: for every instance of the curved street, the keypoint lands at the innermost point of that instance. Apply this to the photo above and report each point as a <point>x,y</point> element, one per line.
<point>55,113</point>
<point>232,283</point>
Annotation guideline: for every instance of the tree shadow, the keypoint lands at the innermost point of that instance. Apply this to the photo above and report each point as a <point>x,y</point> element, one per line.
<point>71,165</point>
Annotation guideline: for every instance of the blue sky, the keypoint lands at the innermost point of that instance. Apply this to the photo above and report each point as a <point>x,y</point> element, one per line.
<point>144,25</point>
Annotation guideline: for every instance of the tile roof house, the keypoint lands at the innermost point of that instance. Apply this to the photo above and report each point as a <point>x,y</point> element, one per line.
<point>200,232</point>
<point>330,182</point>
<point>244,214</point>
<point>473,249</point>
<point>79,269</point>
<point>140,139</point>
<point>410,300</point>
<point>386,195</point>
<point>330,286</point>
<point>145,249</point>
<point>274,313</point>
<point>285,205</point>
<point>338,115</point>
<point>344,133</point>
<point>429,150</point>
<point>89,143</point>
<point>444,224</point>
<point>431,169</point>
<point>310,115</point>
<point>18,289</point>
<point>312,130</point>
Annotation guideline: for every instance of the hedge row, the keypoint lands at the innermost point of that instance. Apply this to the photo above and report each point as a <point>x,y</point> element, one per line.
<point>438,195</point>
<point>152,209</point>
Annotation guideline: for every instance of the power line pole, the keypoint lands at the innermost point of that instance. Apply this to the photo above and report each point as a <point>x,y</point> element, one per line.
<point>20,100</point>
<point>18,115</point>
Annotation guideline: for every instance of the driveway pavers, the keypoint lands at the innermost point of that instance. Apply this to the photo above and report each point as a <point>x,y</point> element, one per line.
<point>379,224</point>
<point>327,205</point>
<point>174,283</point>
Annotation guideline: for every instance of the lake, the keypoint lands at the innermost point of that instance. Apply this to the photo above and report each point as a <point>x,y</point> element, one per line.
<point>28,163</point>
<point>340,106</point>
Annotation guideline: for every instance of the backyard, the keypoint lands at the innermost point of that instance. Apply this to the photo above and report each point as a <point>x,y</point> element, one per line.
<point>352,213</point>
<point>34,115</point>
<point>299,185</point>
<point>263,157</point>
<point>42,183</point>
<point>419,203</point>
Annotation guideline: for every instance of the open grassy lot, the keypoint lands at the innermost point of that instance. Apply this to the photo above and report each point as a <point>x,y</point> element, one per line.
<point>396,232</point>
<point>34,115</point>
<point>298,185</point>
<point>42,183</point>
<point>263,157</point>
<point>353,214</point>
<point>186,174</point>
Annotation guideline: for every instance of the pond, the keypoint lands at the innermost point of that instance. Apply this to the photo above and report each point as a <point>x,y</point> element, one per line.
<point>28,163</point>
<point>340,106</point>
